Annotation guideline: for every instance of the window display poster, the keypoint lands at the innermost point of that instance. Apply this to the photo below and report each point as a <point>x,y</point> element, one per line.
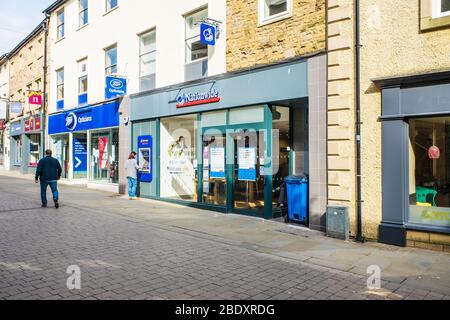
<point>103,152</point>
<point>145,156</point>
<point>247,164</point>
<point>79,155</point>
<point>217,162</point>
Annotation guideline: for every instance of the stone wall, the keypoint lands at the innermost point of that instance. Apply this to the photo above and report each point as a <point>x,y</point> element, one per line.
<point>249,44</point>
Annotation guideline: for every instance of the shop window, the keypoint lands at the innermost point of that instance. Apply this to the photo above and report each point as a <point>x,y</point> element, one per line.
<point>84,13</point>
<point>196,52</point>
<point>111,4</point>
<point>35,149</point>
<point>147,59</point>
<point>60,149</point>
<point>60,24</point>
<point>17,151</point>
<point>60,88</point>
<point>178,161</point>
<point>429,171</point>
<point>247,115</point>
<point>105,156</point>
<point>274,10</point>
<point>111,60</point>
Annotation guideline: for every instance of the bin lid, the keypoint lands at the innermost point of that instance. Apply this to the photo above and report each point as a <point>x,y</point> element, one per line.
<point>297,178</point>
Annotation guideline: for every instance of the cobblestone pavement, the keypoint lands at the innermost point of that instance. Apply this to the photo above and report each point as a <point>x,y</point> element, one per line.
<point>120,258</point>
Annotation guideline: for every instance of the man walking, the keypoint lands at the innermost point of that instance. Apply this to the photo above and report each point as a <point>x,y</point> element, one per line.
<point>48,172</point>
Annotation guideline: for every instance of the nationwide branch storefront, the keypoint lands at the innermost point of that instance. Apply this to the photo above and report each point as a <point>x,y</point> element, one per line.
<point>227,143</point>
<point>86,142</point>
<point>416,156</point>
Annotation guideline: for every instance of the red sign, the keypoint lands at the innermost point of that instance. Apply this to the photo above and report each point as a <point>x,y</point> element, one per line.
<point>33,124</point>
<point>2,124</point>
<point>35,98</point>
<point>434,152</point>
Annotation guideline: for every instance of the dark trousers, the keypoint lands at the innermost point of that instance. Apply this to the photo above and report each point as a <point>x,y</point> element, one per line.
<point>53,186</point>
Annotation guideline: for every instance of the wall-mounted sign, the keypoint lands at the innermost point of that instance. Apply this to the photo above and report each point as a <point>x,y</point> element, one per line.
<point>16,107</point>
<point>115,87</point>
<point>32,124</point>
<point>2,125</point>
<point>15,128</point>
<point>197,98</point>
<point>35,97</point>
<point>102,116</point>
<point>208,34</point>
<point>79,155</point>
<point>145,152</point>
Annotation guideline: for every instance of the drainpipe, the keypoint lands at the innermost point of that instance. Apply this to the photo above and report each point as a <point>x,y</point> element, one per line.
<point>359,236</point>
<point>44,87</point>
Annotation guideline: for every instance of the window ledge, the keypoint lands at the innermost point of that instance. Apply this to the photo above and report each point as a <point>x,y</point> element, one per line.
<point>109,11</point>
<point>83,26</point>
<point>197,61</point>
<point>275,18</point>
<point>59,40</point>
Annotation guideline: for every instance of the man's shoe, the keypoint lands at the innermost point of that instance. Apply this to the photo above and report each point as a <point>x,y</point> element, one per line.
<point>56,204</point>
<point>44,206</point>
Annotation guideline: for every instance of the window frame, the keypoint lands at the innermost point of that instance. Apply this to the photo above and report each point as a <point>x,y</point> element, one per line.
<point>60,25</point>
<point>60,84</point>
<point>82,75</point>
<point>436,10</point>
<point>81,12</point>
<point>143,54</point>
<point>112,65</point>
<point>108,3</point>
<point>263,20</point>
<point>186,39</point>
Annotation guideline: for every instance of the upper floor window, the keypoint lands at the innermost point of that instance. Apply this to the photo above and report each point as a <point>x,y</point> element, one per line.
<point>84,13</point>
<point>441,8</point>
<point>147,57</point>
<point>60,84</point>
<point>60,24</point>
<point>111,60</point>
<point>82,76</point>
<point>111,4</point>
<point>274,10</point>
<point>196,51</point>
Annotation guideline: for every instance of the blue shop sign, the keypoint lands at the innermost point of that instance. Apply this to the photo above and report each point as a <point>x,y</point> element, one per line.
<point>79,155</point>
<point>15,128</point>
<point>208,34</point>
<point>83,119</point>
<point>115,87</point>
<point>145,156</point>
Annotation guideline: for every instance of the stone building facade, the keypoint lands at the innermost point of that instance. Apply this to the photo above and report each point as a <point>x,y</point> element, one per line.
<point>395,53</point>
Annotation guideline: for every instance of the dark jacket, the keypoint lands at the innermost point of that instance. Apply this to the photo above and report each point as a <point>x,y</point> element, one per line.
<point>49,169</point>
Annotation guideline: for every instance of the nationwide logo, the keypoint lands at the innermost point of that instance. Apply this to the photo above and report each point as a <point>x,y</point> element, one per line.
<point>71,121</point>
<point>195,99</point>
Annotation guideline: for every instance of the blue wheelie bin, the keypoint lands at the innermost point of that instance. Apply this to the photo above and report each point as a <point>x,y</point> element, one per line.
<point>297,198</point>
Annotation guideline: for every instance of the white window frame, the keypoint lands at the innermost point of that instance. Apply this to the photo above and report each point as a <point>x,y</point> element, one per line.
<point>81,12</point>
<point>60,84</point>
<point>107,3</point>
<point>436,10</point>
<point>142,54</point>
<point>112,65</point>
<point>276,17</point>
<point>82,74</point>
<point>60,25</point>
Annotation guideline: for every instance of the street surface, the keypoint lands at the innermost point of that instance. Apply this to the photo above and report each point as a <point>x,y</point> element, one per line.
<point>125,252</point>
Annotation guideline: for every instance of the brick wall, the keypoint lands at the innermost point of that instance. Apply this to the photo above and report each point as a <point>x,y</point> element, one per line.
<point>249,45</point>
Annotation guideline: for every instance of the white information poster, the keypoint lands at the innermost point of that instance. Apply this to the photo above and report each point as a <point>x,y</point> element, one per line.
<point>217,162</point>
<point>247,158</point>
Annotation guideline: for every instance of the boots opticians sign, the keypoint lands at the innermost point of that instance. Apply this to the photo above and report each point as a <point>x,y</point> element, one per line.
<point>194,99</point>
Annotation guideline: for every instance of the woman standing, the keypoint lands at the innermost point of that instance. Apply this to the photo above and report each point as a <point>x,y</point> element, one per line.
<point>131,168</point>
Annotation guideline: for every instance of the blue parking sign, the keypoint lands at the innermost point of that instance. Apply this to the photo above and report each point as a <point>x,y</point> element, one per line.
<point>208,34</point>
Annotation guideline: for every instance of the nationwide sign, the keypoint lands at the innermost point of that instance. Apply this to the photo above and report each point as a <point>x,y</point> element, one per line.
<point>208,34</point>
<point>197,98</point>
